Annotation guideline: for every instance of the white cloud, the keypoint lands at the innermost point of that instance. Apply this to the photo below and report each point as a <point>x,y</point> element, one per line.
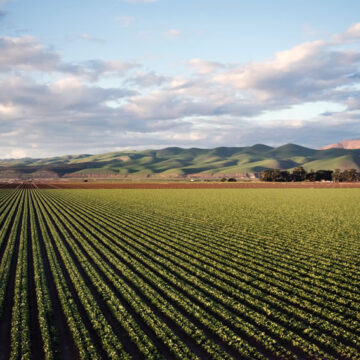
<point>67,83</point>
<point>302,73</point>
<point>218,104</point>
<point>352,34</point>
<point>312,31</point>
<point>125,21</point>
<point>26,53</point>
<point>147,79</point>
<point>354,31</point>
<point>92,38</point>
<point>111,67</point>
<point>205,67</point>
<point>15,154</point>
<point>8,110</point>
<point>173,33</point>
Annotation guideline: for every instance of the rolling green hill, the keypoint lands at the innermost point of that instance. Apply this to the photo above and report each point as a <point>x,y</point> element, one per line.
<point>179,162</point>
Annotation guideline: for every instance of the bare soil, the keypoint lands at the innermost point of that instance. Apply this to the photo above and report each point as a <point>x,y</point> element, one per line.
<point>182,185</point>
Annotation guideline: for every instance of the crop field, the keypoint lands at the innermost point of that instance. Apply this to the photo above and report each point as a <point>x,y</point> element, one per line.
<point>180,274</point>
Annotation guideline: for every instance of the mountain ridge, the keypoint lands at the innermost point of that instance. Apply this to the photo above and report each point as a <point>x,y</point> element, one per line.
<point>345,144</point>
<point>176,162</point>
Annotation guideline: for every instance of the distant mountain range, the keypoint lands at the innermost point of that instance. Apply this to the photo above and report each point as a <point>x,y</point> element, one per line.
<point>178,162</point>
<point>346,144</point>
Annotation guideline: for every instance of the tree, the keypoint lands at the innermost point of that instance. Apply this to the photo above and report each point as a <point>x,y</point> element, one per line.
<point>350,175</point>
<point>299,174</point>
<point>275,175</point>
<point>325,175</point>
<point>311,176</point>
<point>284,176</point>
<point>266,175</point>
<point>336,175</point>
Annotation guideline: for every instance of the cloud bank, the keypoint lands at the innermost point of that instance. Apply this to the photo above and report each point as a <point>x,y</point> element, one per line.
<point>219,104</point>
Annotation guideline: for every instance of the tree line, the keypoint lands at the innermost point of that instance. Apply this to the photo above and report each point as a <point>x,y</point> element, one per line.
<point>300,174</point>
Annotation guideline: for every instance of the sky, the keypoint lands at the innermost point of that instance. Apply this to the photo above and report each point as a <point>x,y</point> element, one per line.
<point>93,76</point>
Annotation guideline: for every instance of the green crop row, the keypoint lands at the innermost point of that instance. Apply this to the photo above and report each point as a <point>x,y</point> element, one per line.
<point>204,274</point>
<point>20,330</point>
<point>303,327</point>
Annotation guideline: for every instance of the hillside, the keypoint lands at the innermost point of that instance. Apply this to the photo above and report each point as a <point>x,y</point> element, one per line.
<point>175,162</point>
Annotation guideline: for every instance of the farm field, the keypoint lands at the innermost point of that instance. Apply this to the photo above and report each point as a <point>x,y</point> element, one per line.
<point>180,274</point>
<point>184,184</point>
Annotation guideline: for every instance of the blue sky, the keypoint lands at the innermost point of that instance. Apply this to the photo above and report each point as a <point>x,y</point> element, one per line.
<point>94,76</point>
<point>225,31</point>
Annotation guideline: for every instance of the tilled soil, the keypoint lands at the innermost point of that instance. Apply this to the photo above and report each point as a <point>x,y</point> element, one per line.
<point>181,185</point>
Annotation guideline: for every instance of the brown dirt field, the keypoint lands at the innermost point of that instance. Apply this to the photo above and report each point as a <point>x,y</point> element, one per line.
<point>179,185</point>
